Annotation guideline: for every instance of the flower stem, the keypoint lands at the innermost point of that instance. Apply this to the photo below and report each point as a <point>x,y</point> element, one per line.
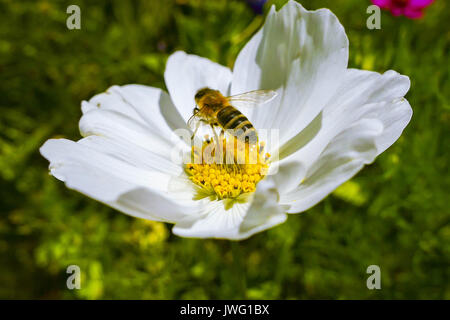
<point>239,270</point>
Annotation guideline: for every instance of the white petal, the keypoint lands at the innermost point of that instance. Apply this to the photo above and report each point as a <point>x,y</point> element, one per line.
<point>131,154</point>
<point>130,187</point>
<point>265,212</point>
<point>96,174</point>
<point>110,100</point>
<point>215,222</point>
<point>186,73</point>
<point>286,174</point>
<point>395,117</point>
<point>126,130</point>
<point>345,155</point>
<point>363,95</point>
<point>153,205</point>
<point>239,222</point>
<point>124,160</point>
<point>134,106</point>
<point>301,54</point>
<point>154,106</point>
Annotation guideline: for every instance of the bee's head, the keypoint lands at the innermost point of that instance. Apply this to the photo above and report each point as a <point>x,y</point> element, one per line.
<point>203,93</point>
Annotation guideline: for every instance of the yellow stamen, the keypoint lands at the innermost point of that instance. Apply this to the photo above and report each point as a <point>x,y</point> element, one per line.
<point>216,176</point>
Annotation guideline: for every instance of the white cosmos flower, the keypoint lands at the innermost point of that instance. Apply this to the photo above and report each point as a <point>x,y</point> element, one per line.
<point>332,121</point>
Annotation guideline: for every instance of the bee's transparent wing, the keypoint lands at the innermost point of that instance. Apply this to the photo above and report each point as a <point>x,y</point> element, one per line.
<point>252,99</point>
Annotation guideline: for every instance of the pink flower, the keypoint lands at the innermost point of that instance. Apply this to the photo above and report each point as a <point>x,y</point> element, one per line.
<point>412,9</point>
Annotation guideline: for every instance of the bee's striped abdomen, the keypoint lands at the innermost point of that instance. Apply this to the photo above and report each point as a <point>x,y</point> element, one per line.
<point>231,118</point>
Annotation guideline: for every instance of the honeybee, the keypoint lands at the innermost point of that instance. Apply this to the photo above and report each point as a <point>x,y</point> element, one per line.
<point>219,111</point>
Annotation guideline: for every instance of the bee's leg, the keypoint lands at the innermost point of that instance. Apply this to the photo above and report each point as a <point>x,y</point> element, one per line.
<point>214,132</point>
<point>222,135</point>
<point>197,126</point>
<point>195,131</point>
<point>219,148</point>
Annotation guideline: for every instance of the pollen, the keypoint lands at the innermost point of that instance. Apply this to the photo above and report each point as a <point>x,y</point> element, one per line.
<point>227,169</point>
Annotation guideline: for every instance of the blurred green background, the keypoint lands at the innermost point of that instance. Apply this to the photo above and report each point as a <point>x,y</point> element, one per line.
<point>394,213</point>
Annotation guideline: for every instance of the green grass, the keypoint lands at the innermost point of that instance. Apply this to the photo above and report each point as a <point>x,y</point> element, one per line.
<point>395,213</point>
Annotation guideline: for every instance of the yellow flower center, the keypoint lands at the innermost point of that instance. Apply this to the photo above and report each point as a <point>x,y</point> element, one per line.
<point>228,174</point>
